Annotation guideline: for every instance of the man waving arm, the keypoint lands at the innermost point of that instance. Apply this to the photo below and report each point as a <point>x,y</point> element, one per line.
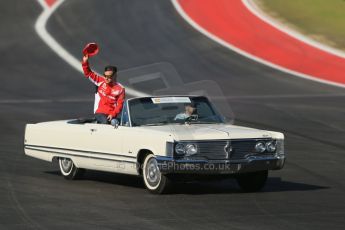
<point>94,78</point>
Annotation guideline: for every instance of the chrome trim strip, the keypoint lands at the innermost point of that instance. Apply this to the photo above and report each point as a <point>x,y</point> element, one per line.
<point>122,111</point>
<point>128,111</point>
<point>129,115</point>
<point>76,155</point>
<point>228,139</point>
<point>246,160</point>
<point>81,151</point>
<point>164,158</point>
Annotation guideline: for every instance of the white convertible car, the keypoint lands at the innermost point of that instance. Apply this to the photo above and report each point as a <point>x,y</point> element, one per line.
<point>161,139</point>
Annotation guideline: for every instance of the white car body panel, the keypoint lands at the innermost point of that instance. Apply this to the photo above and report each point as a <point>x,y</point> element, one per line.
<point>106,148</point>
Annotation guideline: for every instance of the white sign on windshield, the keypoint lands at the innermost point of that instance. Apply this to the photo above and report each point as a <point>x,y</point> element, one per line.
<point>161,100</point>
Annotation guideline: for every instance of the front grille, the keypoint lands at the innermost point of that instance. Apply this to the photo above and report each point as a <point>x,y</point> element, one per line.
<point>215,150</point>
<point>211,150</point>
<point>242,148</point>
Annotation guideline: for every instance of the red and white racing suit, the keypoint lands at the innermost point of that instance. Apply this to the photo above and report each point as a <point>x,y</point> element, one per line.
<point>110,97</point>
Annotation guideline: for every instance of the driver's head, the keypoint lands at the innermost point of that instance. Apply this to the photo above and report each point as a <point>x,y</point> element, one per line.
<point>189,108</point>
<point>110,74</point>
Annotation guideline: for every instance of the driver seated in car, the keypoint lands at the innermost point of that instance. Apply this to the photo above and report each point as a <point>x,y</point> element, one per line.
<point>189,111</point>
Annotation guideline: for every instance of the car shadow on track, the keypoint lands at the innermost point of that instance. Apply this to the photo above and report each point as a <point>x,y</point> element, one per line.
<point>109,178</point>
<point>274,184</point>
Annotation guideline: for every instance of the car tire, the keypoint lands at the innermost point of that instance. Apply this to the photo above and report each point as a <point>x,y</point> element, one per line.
<point>69,170</point>
<point>154,180</point>
<point>253,181</point>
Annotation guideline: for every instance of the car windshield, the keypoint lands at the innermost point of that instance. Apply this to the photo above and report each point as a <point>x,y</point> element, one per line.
<point>172,110</point>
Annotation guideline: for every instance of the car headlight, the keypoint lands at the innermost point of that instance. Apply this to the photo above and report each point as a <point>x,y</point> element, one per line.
<point>179,149</point>
<point>260,147</point>
<point>271,146</point>
<point>191,149</point>
<point>187,149</point>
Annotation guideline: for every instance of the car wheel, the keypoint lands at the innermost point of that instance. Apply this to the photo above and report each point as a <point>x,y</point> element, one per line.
<point>154,180</point>
<point>69,170</point>
<point>252,182</point>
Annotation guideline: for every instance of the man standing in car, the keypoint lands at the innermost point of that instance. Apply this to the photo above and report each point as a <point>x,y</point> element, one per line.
<point>110,93</point>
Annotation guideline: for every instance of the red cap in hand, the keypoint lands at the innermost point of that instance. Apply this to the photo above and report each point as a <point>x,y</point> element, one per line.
<point>91,49</point>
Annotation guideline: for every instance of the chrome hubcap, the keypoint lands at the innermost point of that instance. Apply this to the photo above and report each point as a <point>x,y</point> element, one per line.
<point>66,164</point>
<point>153,174</point>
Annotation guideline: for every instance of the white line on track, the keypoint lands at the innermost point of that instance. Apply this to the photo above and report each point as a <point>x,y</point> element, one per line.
<point>40,27</point>
<point>42,101</point>
<point>222,42</point>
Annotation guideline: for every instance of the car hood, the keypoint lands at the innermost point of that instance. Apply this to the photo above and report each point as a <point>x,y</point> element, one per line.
<point>211,131</point>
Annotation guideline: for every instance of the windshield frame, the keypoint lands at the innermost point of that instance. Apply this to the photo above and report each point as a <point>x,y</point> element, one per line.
<point>221,117</point>
<point>124,110</point>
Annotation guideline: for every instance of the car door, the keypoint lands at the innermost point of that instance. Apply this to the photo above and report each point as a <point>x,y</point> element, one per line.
<point>105,144</point>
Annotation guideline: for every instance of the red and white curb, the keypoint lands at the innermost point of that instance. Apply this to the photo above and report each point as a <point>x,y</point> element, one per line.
<point>239,26</point>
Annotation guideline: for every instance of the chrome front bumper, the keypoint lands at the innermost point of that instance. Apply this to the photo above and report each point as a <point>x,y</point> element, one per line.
<point>169,165</point>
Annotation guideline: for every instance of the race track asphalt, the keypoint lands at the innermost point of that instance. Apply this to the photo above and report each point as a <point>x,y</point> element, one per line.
<point>36,85</point>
